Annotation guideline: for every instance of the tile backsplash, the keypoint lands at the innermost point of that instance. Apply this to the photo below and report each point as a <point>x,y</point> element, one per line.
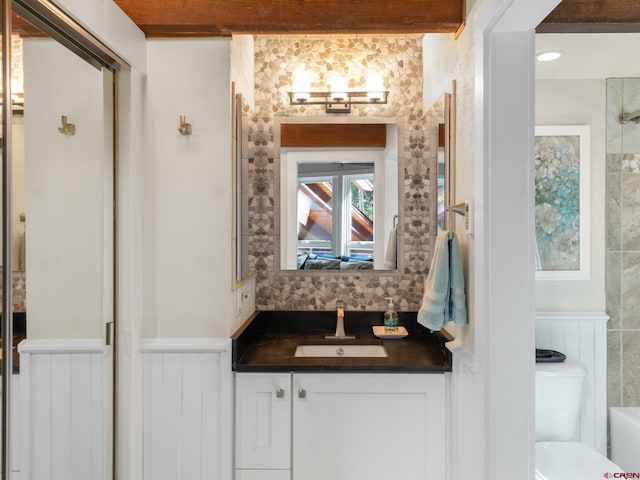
<point>399,60</point>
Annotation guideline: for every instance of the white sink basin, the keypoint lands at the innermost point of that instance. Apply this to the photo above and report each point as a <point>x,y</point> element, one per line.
<point>336,351</point>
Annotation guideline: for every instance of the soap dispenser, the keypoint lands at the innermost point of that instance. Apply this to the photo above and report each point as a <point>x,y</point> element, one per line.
<point>390,317</point>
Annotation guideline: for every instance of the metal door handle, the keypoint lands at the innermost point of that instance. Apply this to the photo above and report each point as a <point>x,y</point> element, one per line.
<point>280,393</point>
<point>302,393</point>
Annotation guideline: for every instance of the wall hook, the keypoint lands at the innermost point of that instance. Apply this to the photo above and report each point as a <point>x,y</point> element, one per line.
<point>67,128</point>
<point>184,128</point>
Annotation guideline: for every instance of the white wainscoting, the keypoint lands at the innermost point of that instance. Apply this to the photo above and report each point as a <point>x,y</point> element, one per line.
<point>187,409</point>
<point>62,414</point>
<point>582,336</point>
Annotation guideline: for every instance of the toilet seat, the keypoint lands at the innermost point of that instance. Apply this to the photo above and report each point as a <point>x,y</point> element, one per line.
<point>571,461</point>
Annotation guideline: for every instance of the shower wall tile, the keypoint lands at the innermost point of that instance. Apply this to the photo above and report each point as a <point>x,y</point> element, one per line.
<point>614,368</point>
<point>630,286</point>
<point>623,243</point>
<point>631,137</point>
<point>630,163</point>
<point>613,212</point>
<point>614,108</point>
<point>613,289</point>
<point>631,103</point>
<point>614,162</point>
<point>630,212</point>
<point>631,368</point>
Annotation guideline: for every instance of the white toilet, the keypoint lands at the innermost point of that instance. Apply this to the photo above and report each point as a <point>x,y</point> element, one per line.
<point>558,455</point>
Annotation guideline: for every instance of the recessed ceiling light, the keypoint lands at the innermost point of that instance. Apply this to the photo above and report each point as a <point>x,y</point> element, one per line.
<point>549,56</point>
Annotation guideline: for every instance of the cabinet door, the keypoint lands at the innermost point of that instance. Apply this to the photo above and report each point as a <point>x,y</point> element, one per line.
<point>373,426</point>
<point>263,421</point>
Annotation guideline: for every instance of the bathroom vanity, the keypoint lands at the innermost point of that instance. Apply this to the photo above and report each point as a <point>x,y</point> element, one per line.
<point>338,417</point>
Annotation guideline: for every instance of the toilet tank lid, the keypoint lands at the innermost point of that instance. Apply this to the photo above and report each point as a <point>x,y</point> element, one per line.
<point>569,368</point>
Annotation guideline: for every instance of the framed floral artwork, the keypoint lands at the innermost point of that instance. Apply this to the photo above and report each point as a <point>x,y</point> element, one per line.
<point>562,202</point>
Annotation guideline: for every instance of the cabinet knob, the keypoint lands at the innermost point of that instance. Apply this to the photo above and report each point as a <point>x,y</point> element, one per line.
<point>280,393</point>
<point>302,393</point>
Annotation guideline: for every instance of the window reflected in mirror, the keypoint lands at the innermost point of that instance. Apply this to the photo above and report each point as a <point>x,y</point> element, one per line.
<point>335,214</point>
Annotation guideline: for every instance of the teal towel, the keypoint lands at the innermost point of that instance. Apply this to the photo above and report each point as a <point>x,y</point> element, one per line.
<point>444,297</point>
<point>457,296</point>
<point>434,311</point>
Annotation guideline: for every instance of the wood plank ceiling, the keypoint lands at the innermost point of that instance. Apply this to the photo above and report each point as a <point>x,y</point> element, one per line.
<point>171,18</point>
<point>224,17</point>
<point>593,16</point>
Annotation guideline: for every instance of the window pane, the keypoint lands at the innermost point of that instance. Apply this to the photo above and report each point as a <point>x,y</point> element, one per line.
<point>315,210</point>
<point>361,189</point>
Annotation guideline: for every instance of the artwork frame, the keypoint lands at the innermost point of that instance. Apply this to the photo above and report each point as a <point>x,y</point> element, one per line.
<point>562,202</point>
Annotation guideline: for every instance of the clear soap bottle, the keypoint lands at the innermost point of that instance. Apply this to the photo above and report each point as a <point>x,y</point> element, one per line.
<point>390,318</point>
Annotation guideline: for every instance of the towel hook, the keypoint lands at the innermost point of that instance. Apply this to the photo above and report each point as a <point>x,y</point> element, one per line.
<point>67,128</point>
<point>184,128</point>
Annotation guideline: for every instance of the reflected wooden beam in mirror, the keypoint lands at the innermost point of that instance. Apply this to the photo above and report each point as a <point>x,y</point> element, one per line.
<point>333,135</point>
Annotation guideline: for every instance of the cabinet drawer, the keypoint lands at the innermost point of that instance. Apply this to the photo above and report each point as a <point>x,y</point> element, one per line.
<point>263,475</point>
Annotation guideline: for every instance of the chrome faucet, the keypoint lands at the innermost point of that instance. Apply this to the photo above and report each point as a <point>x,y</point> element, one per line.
<point>340,323</point>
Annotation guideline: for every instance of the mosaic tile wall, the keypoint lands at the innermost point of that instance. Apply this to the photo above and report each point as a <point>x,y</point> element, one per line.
<point>623,244</point>
<point>399,61</point>
<point>19,291</point>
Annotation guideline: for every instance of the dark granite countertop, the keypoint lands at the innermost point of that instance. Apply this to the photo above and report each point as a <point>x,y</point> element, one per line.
<point>268,340</point>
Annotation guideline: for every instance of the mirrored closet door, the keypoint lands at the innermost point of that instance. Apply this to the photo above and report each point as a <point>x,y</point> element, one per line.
<point>59,251</point>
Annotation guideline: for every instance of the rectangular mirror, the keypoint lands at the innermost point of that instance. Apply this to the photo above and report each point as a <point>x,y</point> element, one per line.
<point>339,207</point>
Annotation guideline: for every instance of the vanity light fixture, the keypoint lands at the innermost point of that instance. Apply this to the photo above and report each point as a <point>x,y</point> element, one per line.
<point>548,56</point>
<point>338,99</point>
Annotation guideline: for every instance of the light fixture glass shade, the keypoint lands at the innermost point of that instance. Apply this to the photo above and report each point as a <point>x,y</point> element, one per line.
<point>338,88</point>
<point>375,87</point>
<point>301,86</point>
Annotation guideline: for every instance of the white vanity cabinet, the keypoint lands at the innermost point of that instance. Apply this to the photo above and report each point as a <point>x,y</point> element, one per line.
<point>263,425</point>
<point>341,426</point>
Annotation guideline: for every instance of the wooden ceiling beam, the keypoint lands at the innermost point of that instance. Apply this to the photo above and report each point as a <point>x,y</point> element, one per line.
<point>226,17</point>
<point>593,16</point>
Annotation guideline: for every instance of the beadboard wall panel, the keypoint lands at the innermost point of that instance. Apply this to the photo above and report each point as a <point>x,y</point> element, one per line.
<point>187,410</point>
<point>582,336</point>
<point>62,409</point>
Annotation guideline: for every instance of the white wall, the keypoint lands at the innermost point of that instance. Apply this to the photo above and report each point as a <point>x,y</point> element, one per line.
<point>67,184</point>
<point>492,436</point>
<point>188,264</point>
<point>107,22</point>
<point>242,66</point>
<point>578,102</point>
<point>17,149</point>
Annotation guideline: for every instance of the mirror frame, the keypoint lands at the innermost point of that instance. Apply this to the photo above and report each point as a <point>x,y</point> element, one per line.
<point>277,153</point>
<point>449,158</point>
